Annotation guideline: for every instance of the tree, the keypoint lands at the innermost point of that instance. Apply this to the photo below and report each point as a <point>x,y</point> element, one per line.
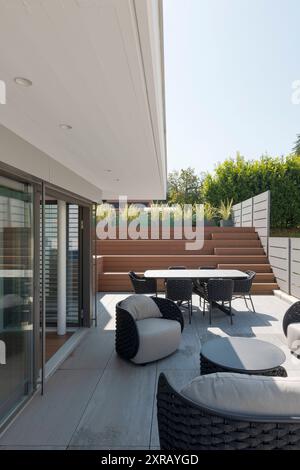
<point>184,187</point>
<point>296,148</point>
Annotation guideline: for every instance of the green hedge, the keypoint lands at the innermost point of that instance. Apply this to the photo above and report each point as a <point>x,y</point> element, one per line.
<point>240,179</point>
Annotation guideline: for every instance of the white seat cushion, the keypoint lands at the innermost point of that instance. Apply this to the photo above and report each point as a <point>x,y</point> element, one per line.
<point>293,336</point>
<point>141,307</point>
<point>247,395</point>
<point>158,338</point>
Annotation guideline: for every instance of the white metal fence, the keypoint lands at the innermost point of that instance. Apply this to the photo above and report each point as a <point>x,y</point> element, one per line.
<point>284,256</point>
<point>254,212</point>
<point>284,253</point>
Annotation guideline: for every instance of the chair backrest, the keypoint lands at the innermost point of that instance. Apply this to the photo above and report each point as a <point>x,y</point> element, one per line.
<point>207,267</point>
<point>179,289</point>
<point>243,286</point>
<point>219,289</point>
<point>133,275</point>
<point>177,267</point>
<point>141,285</point>
<point>292,315</point>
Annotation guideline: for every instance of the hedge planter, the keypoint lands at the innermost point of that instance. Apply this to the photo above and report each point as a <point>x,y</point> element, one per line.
<point>209,223</point>
<point>226,223</point>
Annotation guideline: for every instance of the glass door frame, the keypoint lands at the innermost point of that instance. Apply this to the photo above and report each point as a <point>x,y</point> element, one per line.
<point>88,266</point>
<point>15,175</point>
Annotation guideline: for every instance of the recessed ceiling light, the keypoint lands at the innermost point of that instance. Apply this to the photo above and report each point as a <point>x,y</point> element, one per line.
<point>23,81</point>
<point>65,127</point>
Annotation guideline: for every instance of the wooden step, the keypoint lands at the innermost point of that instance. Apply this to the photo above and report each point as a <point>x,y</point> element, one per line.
<point>234,236</point>
<point>260,277</point>
<point>262,268</point>
<point>156,247</point>
<point>208,231</point>
<point>120,282</point>
<point>126,263</point>
<point>264,277</point>
<point>264,288</point>
<point>239,251</point>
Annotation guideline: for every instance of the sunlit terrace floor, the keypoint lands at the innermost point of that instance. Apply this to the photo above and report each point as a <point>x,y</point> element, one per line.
<point>97,401</point>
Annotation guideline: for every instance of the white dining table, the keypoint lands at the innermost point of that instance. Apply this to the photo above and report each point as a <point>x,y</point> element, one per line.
<point>194,274</point>
<point>203,274</point>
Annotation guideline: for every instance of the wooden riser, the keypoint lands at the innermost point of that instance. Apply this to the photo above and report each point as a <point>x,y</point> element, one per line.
<point>234,236</point>
<point>239,251</point>
<point>121,283</point>
<point>126,263</point>
<point>259,278</point>
<point>164,247</point>
<point>257,268</point>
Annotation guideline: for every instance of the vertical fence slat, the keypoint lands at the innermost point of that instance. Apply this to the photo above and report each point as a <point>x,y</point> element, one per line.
<point>237,214</point>
<point>254,212</point>
<point>295,267</point>
<point>279,255</point>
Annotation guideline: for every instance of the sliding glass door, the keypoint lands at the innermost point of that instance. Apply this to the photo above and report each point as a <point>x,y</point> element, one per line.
<point>62,272</point>
<point>46,282</point>
<point>16,294</point>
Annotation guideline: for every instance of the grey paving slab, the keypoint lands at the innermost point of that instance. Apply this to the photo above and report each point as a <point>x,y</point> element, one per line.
<point>93,352</point>
<point>107,448</point>
<point>120,410</point>
<point>52,419</point>
<point>187,355</point>
<point>33,447</point>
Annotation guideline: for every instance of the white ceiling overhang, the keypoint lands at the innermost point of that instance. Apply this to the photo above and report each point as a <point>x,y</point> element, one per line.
<point>96,65</point>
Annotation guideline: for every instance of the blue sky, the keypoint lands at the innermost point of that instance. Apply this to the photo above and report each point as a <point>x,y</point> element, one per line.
<point>229,67</point>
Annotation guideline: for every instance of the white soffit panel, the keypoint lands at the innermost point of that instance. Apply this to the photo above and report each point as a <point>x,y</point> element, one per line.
<point>96,65</point>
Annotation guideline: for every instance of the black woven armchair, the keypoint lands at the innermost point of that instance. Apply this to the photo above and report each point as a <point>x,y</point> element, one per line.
<point>184,425</point>
<point>127,339</point>
<point>219,290</point>
<point>291,328</point>
<point>292,315</point>
<point>180,290</point>
<point>141,285</point>
<point>242,288</point>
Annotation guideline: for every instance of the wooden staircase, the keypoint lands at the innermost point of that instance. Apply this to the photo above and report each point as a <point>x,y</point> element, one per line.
<point>226,248</point>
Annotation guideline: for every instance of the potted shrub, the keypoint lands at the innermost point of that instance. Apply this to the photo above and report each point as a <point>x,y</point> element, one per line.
<point>225,212</point>
<point>210,215</point>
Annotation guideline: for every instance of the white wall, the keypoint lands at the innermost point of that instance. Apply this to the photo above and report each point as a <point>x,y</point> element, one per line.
<point>20,154</point>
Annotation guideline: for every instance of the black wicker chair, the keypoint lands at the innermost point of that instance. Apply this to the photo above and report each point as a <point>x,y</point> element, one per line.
<point>179,302</point>
<point>127,337</point>
<point>242,288</point>
<point>292,315</point>
<point>218,290</point>
<point>184,425</point>
<point>199,287</point>
<point>181,290</point>
<point>177,267</point>
<point>141,285</point>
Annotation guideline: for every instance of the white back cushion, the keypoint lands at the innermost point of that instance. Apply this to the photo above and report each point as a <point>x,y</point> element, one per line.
<point>141,307</point>
<point>247,395</point>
